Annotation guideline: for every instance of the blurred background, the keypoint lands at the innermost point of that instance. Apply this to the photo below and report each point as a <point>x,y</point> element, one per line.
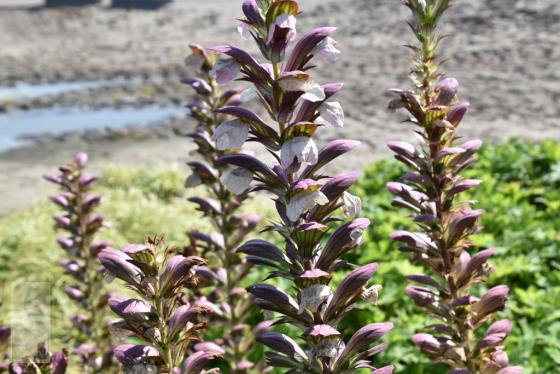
<point>104,77</point>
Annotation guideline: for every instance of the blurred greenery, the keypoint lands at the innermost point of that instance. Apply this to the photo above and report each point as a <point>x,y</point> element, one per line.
<point>520,194</point>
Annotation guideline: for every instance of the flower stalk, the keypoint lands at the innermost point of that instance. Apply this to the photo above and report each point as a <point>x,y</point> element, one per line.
<point>431,191</point>
<point>307,199</point>
<point>161,317</point>
<point>215,137</point>
<point>79,220</point>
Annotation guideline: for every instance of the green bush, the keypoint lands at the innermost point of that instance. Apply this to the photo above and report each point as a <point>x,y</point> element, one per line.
<point>520,194</point>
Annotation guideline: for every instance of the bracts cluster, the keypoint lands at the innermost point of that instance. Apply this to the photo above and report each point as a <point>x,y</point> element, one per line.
<point>225,275</point>
<point>42,362</point>
<point>79,220</point>
<point>161,317</point>
<point>306,198</point>
<point>431,192</point>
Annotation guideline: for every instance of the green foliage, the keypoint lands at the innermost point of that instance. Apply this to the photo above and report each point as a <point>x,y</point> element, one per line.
<point>521,196</point>
<point>520,193</point>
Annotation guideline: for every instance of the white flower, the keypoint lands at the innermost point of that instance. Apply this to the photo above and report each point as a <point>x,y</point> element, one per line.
<point>301,148</point>
<point>304,201</point>
<point>192,181</point>
<point>356,236</point>
<point>422,4</point>
<point>237,180</point>
<point>327,348</point>
<point>230,134</point>
<point>248,94</point>
<point>351,205</point>
<point>312,297</point>
<point>225,71</point>
<point>371,294</point>
<point>283,21</point>
<point>331,114</point>
<point>244,30</point>
<point>326,50</point>
<point>312,91</point>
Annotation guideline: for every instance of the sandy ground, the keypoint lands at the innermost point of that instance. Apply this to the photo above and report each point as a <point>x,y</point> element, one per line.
<point>506,53</point>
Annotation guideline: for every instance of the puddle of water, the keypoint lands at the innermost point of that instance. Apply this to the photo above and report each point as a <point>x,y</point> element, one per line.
<point>14,126</point>
<point>22,90</point>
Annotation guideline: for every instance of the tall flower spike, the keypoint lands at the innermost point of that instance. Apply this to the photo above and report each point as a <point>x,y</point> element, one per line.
<point>307,200</point>
<point>161,317</point>
<point>92,340</point>
<point>430,191</point>
<point>216,136</point>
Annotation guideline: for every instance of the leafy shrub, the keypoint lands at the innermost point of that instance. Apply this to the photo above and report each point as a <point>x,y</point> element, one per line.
<point>521,196</point>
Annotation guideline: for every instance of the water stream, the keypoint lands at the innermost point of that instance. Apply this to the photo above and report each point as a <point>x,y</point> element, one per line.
<point>15,126</point>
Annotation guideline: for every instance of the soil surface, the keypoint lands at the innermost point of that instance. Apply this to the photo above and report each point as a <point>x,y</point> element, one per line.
<point>505,53</point>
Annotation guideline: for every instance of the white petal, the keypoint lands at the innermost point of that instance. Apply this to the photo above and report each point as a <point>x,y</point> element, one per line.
<point>298,205</point>
<point>321,198</point>
<point>352,205</point>
<point>422,4</point>
<point>356,235</point>
<point>327,51</point>
<point>314,93</point>
<point>302,148</point>
<point>230,135</point>
<point>331,114</point>
<point>283,21</point>
<point>293,84</point>
<point>312,155</point>
<point>304,201</point>
<point>313,296</point>
<point>248,94</point>
<point>244,30</point>
<point>237,180</point>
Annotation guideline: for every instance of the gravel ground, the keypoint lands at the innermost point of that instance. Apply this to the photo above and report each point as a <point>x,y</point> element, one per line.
<point>505,53</point>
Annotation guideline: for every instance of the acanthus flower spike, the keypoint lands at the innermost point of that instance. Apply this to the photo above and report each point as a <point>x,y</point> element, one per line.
<point>308,201</point>
<point>160,318</point>
<point>82,226</point>
<point>222,129</point>
<point>431,191</point>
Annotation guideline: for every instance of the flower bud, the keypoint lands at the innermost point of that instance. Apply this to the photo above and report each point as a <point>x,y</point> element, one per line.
<point>81,160</point>
<point>421,296</point>
<point>283,344</point>
<point>446,91</point>
<point>120,265</point>
<point>428,344</point>
<point>456,114</point>
<point>493,300</point>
